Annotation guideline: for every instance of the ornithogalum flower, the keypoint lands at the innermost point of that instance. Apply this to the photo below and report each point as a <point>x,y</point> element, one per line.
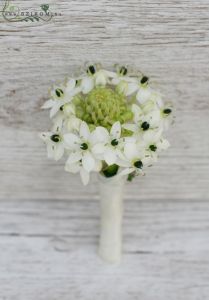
<point>112,122</point>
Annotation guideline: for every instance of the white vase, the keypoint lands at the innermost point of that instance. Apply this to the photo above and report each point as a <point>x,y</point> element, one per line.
<point>111,210</point>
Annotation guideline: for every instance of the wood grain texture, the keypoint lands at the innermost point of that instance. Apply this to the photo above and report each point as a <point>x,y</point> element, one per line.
<point>168,40</point>
<point>48,250</point>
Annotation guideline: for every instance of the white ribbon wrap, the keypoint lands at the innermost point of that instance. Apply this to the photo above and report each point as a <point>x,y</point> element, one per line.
<point>111,208</point>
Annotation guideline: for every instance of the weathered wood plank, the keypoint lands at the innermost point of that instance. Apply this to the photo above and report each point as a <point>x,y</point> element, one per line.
<point>48,248</point>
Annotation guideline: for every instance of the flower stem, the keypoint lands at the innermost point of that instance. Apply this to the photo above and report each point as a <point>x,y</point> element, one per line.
<point>111,207</point>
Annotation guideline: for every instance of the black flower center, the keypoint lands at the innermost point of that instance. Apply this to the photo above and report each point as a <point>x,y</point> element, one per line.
<point>84,146</point>
<point>145,126</point>
<point>55,138</point>
<point>144,79</point>
<point>123,71</point>
<point>167,111</point>
<point>114,142</point>
<point>138,164</point>
<point>59,92</point>
<point>62,107</point>
<point>153,147</point>
<point>91,69</point>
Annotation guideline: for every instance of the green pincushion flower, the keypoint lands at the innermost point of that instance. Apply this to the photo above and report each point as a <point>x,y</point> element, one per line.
<point>103,107</point>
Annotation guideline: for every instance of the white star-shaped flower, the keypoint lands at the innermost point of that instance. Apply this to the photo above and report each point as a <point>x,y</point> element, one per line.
<point>133,159</point>
<point>142,121</point>
<point>66,113</point>
<point>94,76</point>
<point>109,143</point>
<point>80,146</point>
<point>60,95</point>
<point>55,144</point>
<point>153,143</point>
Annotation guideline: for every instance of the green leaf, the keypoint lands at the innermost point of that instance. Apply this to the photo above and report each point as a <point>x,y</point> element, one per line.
<point>131,176</point>
<point>111,171</point>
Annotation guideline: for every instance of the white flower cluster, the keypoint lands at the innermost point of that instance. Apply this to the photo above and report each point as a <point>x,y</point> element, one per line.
<point>107,122</point>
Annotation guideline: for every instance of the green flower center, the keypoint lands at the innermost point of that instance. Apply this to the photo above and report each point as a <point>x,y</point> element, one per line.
<point>123,71</point>
<point>144,79</point>
<point>167,111</point>
<point>84,146</point>
<point>145,126</point>
<point>55,138</point>
<point>153,147</point>
<point>59,93</point>
<point>138,164</point>
<point>91,70</point>
<point>103,107</point>
<point>114,142</point>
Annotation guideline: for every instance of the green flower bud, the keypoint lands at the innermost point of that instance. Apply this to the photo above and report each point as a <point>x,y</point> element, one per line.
<point>111,171</point>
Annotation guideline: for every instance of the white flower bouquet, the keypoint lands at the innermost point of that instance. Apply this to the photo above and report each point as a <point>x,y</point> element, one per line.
<point>112,123</point>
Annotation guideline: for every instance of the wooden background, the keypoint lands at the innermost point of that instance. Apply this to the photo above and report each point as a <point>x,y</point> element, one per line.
<point>48,247</point>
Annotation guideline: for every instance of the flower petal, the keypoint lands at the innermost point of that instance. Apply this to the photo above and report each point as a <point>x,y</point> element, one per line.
<point>88,161</point>
<point>58,151</point>
<point>149,136</point>
<point>84,176</point>
<point>154,118</point>
<point>74,157</point>
<point>98,166</point>
<point>137,112</point>
<point>50,150</point>
<point>84,131</point>
<point>110,74</point>
<point>130,150</point>
<point>45,136</point>
<point>87,84</point>
<point>55,109</point>
<point>100,78</point>
<point>73,168</point>
<point>48,104</point>
<point>143,95</point>
<point>116,130</point>
<point>73,123</point>
<point>126,171</point>
<point>132,88</point>
<point>102,134</point>
<point>70,86</point>
<point>163,144</point>
<point>98,148</point>
<point>131,127</point>
<point>72,140</point>
<point>110,156</point>
<point>115,81</point>
<point>57,123</point>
